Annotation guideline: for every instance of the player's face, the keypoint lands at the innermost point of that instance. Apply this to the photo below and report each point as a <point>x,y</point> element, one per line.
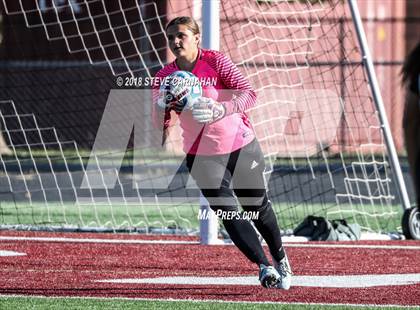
<point>182,42</point>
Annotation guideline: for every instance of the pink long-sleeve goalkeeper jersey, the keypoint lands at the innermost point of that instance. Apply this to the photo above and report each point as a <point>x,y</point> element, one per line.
<point>222,81</point>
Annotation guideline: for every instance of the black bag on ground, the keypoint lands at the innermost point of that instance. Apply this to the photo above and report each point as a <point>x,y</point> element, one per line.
<point>315,228</point>
<point>318,228</point>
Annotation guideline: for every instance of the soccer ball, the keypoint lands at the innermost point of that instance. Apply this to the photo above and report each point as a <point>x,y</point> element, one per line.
<point>179,90</point>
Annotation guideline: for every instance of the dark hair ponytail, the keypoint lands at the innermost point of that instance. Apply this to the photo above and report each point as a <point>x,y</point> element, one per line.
<point>411,69</point>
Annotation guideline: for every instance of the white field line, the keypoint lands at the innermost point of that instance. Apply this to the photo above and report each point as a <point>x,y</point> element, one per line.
<point>87,240</point>
<point>210,301</point>
<point>11,253</point>
<point>137,241</point>
<point>331,281</point>
<point>356,246</point>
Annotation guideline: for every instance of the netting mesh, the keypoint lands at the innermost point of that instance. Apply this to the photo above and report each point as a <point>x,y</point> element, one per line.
<point>315,117</point>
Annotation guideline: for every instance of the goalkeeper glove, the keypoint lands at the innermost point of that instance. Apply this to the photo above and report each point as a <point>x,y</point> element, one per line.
<point>206,110</point>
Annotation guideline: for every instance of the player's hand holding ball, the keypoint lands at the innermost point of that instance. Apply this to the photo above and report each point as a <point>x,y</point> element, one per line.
<point>206,110</point>
<point>178,91</point>
<point>173,99</point>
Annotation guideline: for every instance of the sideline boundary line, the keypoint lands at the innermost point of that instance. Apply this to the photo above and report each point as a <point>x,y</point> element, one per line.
<point>138,241</point>
<point>212,300</point>
<point>326,281</point>
<point>95,240</point>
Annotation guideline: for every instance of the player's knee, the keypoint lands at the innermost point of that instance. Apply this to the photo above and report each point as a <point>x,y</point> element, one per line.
<point>259,204</point>
<point>254,202</point>
<point>223,209</point>
<point>221,199</point>
<point>251,198</point>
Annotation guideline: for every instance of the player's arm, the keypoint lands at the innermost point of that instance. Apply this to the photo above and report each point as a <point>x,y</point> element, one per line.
<point>245,97</point>
<point>161,117</point>
<point>158,111</point>
<point>207,110</point>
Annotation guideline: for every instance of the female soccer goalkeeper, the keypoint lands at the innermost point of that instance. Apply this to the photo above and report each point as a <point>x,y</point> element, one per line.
<point>411,122</point>
<point>222,150</point>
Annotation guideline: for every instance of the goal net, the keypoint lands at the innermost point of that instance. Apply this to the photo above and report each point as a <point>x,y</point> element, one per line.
<point>79,149</point>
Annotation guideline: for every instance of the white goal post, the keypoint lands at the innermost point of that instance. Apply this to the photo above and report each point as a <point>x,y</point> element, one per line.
<point>373,83</point>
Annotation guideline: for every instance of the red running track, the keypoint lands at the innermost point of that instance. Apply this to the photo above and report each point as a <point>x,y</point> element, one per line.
<point>71,269</point>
